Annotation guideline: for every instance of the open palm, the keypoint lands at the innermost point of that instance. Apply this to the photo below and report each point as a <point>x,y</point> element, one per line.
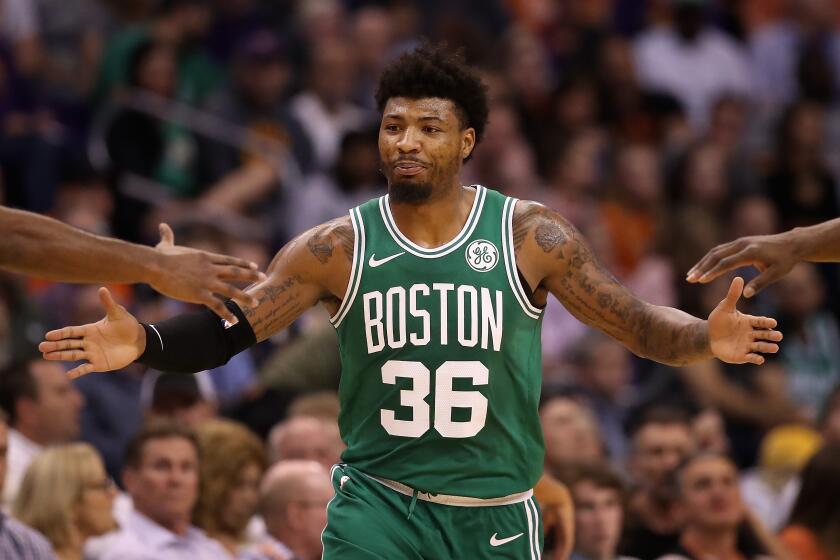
<point>737,338</point>
<point>109,344</point>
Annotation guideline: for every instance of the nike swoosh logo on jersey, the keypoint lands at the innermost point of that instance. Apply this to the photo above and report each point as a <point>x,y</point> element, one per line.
<point>499,542</point>
<point>374,262</point>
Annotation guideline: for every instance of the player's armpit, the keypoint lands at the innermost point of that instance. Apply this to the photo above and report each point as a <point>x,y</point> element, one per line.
<point>313,267</point>
<point>554,256</point>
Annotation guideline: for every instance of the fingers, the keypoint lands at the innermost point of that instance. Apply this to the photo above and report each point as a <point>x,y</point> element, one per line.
<point>81,370</point>
<point>238,274</point>
<point>764,347</point>
<point>763,323</point>
<point>756,359</point>
<point>730,302</point>
<point>167,237</point>
<point>112,310</point>
<point>772,336</point>
<point>710,261</point>
<point>66,332</point>
<point>767,277</point>
<point>216,306</point>
<point>67,344</point>
<point>66,355</point>
<point>232,292</point>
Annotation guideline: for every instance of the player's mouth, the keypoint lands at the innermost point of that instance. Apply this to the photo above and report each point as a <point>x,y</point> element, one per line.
<point>408,168</point>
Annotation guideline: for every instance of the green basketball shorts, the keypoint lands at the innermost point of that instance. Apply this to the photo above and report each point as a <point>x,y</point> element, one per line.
<point>370,518</point>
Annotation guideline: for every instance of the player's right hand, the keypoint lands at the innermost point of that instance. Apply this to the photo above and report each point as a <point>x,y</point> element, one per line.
<point>109,344</point>
<point>772,255</point>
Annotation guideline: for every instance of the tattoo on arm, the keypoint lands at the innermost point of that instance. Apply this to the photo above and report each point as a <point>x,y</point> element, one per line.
<point>322,242</point>
<point>596,297</point>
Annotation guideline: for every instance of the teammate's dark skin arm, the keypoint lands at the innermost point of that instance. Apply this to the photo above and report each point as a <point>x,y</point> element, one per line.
<point>39,246</point>
<point>553,258</point>
<point>314,267</point>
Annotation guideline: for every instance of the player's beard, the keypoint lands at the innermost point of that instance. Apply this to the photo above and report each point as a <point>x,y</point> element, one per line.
<point>407,192</point>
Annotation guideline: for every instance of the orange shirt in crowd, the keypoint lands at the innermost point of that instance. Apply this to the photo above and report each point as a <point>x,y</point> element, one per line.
<point>802,542</point>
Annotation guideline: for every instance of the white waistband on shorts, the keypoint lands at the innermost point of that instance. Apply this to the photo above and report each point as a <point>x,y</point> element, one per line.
<point>449,500</point>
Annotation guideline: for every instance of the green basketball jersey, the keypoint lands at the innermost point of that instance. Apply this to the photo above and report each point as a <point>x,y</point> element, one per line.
<point>441,358</point>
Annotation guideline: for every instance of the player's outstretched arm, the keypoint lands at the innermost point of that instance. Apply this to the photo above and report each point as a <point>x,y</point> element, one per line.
<point>772,255</point>
<point>313,267</point>
<point>39,246</point>
<point>553,256</point>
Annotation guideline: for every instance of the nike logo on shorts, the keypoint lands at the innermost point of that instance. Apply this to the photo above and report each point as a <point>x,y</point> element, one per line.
<point>499,542</point>
<point>374,262</point>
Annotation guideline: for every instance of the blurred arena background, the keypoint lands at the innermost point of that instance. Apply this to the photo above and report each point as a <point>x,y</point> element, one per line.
<point>660,128</point>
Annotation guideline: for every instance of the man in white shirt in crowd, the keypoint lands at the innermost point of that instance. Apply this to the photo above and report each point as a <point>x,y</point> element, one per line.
<point>43,409</point>
<point>293,503</point>
<point>305,437</point>
<point>161,476</point>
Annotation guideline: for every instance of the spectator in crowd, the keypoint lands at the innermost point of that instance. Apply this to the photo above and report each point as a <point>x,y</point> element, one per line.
<point>232,464</point>
<point>293,503</point>
<point>324,107</point>
<point>43,409</point>
<point>813,530</point>
<point>161,475</point>
<point>570,432</point>
<point>17,541</point>
<point>319,404</point>
<point>770,489</point>
<point>713,511</point>
<point>305,437</point>
<point>599,498</point>
<point>829,420</point>
<point>811,353</point>
<point>67,496</point>
<point>719,65</point>
<point>184,399</point>
<point>660,440</point>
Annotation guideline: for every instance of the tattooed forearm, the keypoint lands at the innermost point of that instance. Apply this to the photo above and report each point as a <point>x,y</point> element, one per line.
<point>594,295</point>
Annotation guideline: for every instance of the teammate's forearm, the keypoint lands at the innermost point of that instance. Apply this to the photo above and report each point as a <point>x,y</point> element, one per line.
<point>39,246</point>
<point>818,243</point>
<point>670,336</point>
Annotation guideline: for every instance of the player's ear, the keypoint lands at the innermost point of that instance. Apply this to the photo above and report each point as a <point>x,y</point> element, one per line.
<point>467,142</point>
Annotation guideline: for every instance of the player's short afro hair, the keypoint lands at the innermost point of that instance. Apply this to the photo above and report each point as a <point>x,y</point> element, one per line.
<point>433,71</point>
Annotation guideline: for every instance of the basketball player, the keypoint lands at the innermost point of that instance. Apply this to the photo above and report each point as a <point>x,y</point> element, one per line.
<point>772,255</point>
<point>436,291</point>
<point>39,246</point>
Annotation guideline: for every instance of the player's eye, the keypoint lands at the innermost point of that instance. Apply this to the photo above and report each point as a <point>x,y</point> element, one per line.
<point>391,127</point>
<point>430,129</point>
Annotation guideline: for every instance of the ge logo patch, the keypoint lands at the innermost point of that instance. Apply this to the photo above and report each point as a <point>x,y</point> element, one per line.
<point>482,255</point>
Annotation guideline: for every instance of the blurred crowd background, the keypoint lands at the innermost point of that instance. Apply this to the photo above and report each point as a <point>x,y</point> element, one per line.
<point>660,128</point>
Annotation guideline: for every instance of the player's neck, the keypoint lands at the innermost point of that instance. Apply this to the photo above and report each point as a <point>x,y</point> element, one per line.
<point>436,221</point>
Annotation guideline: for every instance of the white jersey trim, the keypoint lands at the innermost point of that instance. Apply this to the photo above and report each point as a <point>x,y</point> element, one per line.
<point>510,261</point>
<point>422,252</point>
<point>356,271</point>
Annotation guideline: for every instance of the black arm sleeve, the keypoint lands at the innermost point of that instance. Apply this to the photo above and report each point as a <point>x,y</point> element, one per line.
<point>196,341</point>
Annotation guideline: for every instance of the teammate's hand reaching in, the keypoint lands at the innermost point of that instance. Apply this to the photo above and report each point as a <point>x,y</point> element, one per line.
<point>109,344</point>
<point>737,338</point>
<point>201,277</point>
<point>772,255</point>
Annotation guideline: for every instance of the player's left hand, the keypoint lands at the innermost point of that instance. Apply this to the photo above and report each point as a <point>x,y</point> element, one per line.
<point>737,338</point>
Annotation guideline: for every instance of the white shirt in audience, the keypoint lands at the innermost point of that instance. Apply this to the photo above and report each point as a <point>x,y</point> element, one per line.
<point>268,549</point>
<point>22,451</point>
<point>143,539</point>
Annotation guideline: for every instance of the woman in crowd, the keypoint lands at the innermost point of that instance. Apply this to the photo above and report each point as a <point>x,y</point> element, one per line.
<point>232,464</point>
<point>813,532</point>
<point>67,496</point>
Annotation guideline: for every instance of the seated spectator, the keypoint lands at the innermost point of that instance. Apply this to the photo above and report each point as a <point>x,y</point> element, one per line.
<point>319,404</point>
<point>770,489</point>
<point>17,541</point>
<point>660,440</point>
<point>305,437</point>
<point>161,476</point>
<point>185,399</point>
<point>813,531</point>
<point>232,464</point>
<point>714,513</point>
<point>293,502</point>
<point>599,499</point>
<point>43,408</point>
<point>829,420</point>
<point>67,496</point>
<point>570,432</point>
